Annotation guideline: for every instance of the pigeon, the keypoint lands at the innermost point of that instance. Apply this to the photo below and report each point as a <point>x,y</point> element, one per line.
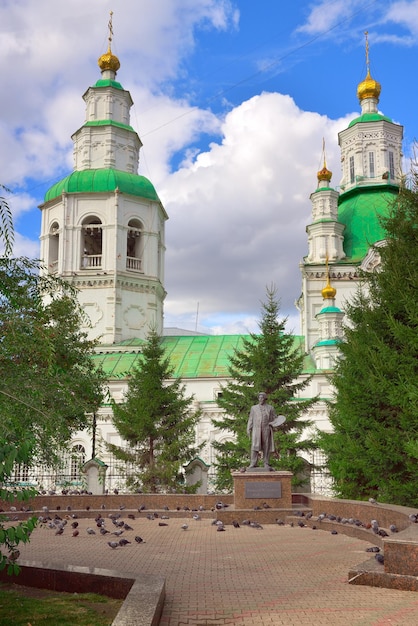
<point>379,558</point>
<point>91,531</point>
<point>184,526</point>
<point>113,544</point>
<point>382,533</point>
<point>127,527</point>
<point>118,533</point>
<point>141,508</point>
<point>372,501</point>
<point>103,531</point>
<point>334,532</point>
<point>256,525</point>
<point>197,517</point>
<point>59,531</point>
<point>76,533</point>
<point>413,518</point>
<point>131,516</point>
<point>139,539</point>
<point>393,528</point>
<point>301,524</point>
<point>246,522</point>
<point>373,549</point>
<point>162,524</point>
<point>235,524</point>
<point>220,528</point>
<point>123,542</point>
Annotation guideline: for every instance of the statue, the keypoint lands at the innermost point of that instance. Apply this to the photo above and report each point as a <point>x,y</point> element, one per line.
<point>260,426</point>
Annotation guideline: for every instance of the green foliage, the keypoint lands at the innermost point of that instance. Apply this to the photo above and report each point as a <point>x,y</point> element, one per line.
<point>373,449</point>
<point>6,224</point>
<point>47,379</point>
<point>271,362</point>
<point>157,422</point>
<point>11,536</point>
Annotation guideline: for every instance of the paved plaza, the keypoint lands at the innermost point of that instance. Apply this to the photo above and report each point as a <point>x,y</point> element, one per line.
<point>274,576</point>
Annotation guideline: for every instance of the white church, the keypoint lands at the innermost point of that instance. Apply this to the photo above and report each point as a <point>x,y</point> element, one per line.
<point>103,231</point>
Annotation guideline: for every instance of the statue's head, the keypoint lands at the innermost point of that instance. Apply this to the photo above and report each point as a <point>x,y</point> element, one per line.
<point>262,397</point>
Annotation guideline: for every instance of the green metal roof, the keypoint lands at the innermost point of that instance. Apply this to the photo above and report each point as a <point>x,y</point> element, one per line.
<point>360,209</point>
<point>103,181</point>
<point>202,356</point>
<point>108,83</point>
<point>328,342</point>
<point>329,309</point>
<point>109,123</point>
<point>370,117</point>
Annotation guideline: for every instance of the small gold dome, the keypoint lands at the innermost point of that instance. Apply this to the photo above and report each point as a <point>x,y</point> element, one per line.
<point>324,174</point>
<point>368,88</point>
<point>109,61</point>
<point>328,292</point>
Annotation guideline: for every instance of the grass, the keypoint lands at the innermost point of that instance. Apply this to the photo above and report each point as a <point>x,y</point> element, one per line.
<point>27,606</point>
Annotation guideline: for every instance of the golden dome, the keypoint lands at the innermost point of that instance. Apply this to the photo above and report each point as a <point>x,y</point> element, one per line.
<point>324,174</point>
<point>109,61</point>
<point>328,292</point>
<point>368,88</point>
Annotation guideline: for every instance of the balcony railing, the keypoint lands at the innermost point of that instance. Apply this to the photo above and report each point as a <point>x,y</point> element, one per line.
<point>133,264</point>
<point>91,261</point>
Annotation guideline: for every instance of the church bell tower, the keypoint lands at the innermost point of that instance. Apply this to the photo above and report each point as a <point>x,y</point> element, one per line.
<point>103,225</point>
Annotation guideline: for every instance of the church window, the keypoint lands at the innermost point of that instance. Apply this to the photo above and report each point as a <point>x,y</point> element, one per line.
<point>92,243</point>
<point>371,164</point>
<point>134,245</point>
<point>352,169</point>
<point>391,165</point>
<point>53,248</point>
<point>78,458</point>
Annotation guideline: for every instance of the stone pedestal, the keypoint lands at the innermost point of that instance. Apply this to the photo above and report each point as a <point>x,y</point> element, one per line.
<point>254,488</point>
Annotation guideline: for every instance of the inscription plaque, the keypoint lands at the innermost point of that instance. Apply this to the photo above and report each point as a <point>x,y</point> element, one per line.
<point>263,490</point>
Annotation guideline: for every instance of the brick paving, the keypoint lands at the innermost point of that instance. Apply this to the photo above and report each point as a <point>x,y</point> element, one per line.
<point>275,576</point>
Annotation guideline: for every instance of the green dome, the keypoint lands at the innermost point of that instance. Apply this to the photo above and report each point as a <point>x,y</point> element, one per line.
<point>360,211</point>
<point>103,181</point>
<point>370,117</point>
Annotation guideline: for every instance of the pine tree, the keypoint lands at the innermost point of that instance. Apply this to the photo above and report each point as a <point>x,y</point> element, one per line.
<point>273,362</point>
<point>157,423</point>
<point>373,449</point>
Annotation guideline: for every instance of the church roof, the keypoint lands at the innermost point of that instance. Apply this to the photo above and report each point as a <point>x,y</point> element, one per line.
<point>360,210</point>
<point>102,181</point>
<point>370,117</point>
<point>203,356</point>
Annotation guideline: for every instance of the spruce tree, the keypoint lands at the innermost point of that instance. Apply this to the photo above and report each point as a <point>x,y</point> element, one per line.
<point>273,362</point>
<point>373,449</point>
<point>157,422</point>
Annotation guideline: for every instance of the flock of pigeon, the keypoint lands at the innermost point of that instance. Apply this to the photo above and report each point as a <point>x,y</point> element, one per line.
<point>118,526</point>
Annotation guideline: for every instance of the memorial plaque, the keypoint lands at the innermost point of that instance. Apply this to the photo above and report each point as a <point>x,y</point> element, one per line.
<point>263,490</point>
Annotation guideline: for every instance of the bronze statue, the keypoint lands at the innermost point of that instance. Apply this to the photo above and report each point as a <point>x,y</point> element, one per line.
<point>261,424</point>
<point>260,430</point>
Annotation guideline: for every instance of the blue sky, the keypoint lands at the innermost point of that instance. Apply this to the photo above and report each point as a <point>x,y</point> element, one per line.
<point>232,101</point>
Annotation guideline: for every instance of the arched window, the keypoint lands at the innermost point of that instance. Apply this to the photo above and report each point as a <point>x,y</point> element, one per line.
<point>92,243</point>
<point>78,458</point>
<point>53,248</point>
<point>134,246</point>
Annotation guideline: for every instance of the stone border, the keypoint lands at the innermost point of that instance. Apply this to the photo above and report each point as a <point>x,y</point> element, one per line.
<point>143,595</point>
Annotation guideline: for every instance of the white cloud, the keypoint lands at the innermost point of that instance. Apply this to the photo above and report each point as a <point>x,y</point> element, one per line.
<point>238,213</point>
